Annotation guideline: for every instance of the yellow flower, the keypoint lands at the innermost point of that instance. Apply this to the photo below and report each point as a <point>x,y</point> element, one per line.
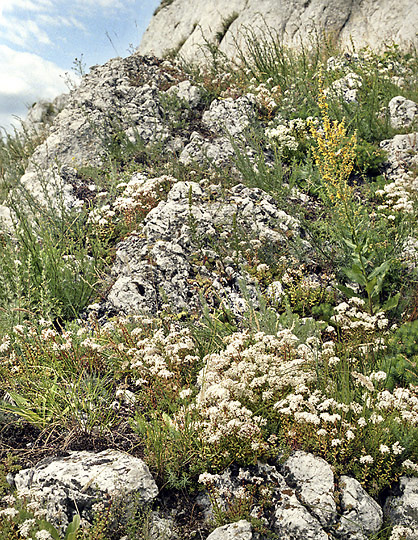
<point>334,154</point>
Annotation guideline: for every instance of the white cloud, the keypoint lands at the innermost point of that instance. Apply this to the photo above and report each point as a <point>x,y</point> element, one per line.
<point>24,79</point>
<point>27,5</point>
<point>21,32</point>
<point>105,4</point>
<point>27,22</point>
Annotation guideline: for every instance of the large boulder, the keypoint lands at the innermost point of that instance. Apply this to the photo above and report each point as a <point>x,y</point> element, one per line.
<point>67,485</point>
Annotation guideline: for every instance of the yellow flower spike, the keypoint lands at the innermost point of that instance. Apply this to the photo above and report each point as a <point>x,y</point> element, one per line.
<point>334,154</point>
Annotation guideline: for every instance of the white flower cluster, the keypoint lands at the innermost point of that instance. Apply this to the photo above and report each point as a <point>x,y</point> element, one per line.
<point>139,195</point>
<point>266,95</point>
<point>34,506</point>
<point>101,215</point>
<point>284,135</point>
<point>400,532</point>
<point>351,316</point>
<point>400,194</point>
<point>367,62</point>
<point>140,190</point>
<point>245,377</point>
<point>337,422</point>
<point>162,357</point>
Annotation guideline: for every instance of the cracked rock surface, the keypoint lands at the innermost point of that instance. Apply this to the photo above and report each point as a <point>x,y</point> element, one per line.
<point>179,247</point>
<point>74,483</point>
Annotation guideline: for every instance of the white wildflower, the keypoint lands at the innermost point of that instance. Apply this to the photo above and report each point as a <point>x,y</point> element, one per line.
<point>366,460</point>
<point>26,527</point>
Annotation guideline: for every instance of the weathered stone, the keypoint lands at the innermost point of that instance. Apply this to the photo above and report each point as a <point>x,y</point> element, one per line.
<point>229,116</point>
<point>74,483</point>
<point>402,152</point>
<point>217,152</point>
<point>6,221</point>
<point>241,530</point>
<point>155,265</point>
<point>42,113</point>
<point>162,528</point>
<point>293,521</point>
<point>184,25</point>
<point>345,88</point>
<point>313,479</point>
<point>402,508</point>
<point>120,97</point>
<point>226,119</point>
<point>403,112</point>
<point>361,515</point>
<point>184,90</point>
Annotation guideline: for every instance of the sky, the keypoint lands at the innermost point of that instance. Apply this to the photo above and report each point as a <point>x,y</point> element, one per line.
<point>43,42</point>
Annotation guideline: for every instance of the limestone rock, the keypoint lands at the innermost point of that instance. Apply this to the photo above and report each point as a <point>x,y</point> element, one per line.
<point>362,516</point>
<point>229,116</point>
<point>74,483</point>
<point>294,522</point>
<point>313,480</point>
<point>345,88</point>
<point>122,96</point>
<point>402,152</point>
<point>241,530</point>
<point>186,91</point>
<point>402,508</point>
<point>6,220</point>
<point>226,119</point>
<point>183,25</point>
<point>163,261</point>
<point>42,113</point>
<point>403,112</point>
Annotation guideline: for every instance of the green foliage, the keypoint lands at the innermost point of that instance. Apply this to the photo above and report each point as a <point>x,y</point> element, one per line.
<point>303,356</point>
<point>15,151</point>
<point>48,268</point>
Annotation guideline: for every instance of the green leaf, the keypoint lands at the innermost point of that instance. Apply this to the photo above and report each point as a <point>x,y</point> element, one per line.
<point>42,524</point>
<point>371,286</point>
<point>349,293</point>
<point>381,270</point>
<point>71,532</point>
<point>355,273</point>
<point>391,302</point>
<point>349,244</point>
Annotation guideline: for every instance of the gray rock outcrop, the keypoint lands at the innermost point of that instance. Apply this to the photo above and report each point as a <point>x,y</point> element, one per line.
<point>314,479</point>
<point>302,495</point>
<point>64,486</point>
<point>121,97</point>
<point>402,508</point>
<point>362,516</point>
<point>183,25</point>
<point>177,254</point>
<point>403,112</point>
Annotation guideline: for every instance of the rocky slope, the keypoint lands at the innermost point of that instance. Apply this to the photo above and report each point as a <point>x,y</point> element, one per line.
<point>185,227</point>
<point>184,25</point>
